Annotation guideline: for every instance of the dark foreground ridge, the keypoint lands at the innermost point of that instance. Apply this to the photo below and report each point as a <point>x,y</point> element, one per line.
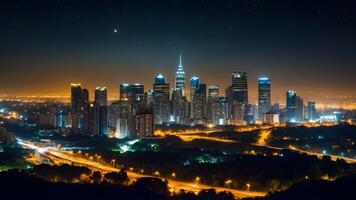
<point>20,185</point>
<point>342,188</point>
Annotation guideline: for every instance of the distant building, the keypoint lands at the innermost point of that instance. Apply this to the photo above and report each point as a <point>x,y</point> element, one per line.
<point>220,111</point>
<point>76,107</point>
<point>270,118</point>
<point>100,122</point>
<point>179,107</point>
<point>238,99</point>
<point>264,96</point>
<point>86,117</point>
<point>180,77</point>
<point>299,109</point>
<point>213,94</point>
<point>142,125</point>
<point>161,103</point>
<point>194,85</point>
<point>311,113</point>
<point>199,104</point>
<point>291,98</point>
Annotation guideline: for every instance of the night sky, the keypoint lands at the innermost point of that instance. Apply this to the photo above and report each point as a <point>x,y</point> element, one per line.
<point>308,46</point>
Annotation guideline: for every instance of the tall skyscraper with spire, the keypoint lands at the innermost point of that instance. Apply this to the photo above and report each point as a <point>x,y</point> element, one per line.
<point>180,77</point>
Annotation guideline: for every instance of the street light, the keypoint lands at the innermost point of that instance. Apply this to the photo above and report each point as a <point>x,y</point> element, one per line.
<point>156,173</point>
<point>248,186</point>
<point>228,182</point>
<point>173,175</point>
<point>113,162</point>
<point>197,179</point>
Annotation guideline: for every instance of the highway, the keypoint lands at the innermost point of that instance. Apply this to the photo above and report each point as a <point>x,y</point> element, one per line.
<point>59,156</point>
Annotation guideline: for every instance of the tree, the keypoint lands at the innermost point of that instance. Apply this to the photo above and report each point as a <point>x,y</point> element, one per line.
<point>96,177</point>
<point>117,177</point>
<point>153,184</point>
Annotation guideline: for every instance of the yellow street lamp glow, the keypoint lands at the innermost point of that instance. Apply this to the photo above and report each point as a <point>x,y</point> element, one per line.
<point>197,178</point>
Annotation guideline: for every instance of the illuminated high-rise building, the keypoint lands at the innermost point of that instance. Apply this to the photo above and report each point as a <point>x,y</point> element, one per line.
<point>213,94</point>
<point>194,85</point>
<point>199,104</point>
<point>311,113</point>
<point>100,122</point>
<point>76,107</point>
<point>264,96</point>
<point>179,107</point>
<point>180,77</point>
<point>239,87</point>
<point>220,111</point>
<point>161,103</point>
<point>85,118</point>
<point>291,100</point>
<point>299,109</point>
<point>132,92</point>
<point>238,103</point>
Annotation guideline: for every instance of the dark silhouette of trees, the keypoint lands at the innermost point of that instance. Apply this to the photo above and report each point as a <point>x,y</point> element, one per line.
<point>117,177</point>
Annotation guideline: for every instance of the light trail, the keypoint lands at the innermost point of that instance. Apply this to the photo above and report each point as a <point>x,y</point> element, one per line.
<point>174,185</point>
<point>263,137</point>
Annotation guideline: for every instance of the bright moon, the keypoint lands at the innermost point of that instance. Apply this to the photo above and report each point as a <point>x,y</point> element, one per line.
<point>115,30</point>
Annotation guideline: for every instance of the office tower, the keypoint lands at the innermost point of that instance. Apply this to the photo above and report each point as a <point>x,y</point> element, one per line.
<point>161,103</point>
<point>299,109</point>
<point>122,125</point>
<point>132,92</point>
<point>239,87</point>
<point>311,111</point>
<point>85,120</point>
<point>149,98</point>
<point>179,107</point>
<point>213,94</point>
<point>142,124</point>
<point>76,106</point>
<point>238,96</point>
<point>291,98</point>
<point>199,104</point>
<point>125,91</point>
<point>100,123</point>
<point>194,85</point>
<point>264,96</point>
<point>220,111</point>
<point>275,108</point>
<point>180,77</point>
<point>61,118</point>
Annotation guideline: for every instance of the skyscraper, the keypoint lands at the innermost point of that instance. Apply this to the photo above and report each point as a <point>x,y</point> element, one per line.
<point>85,120</point>
<point>161,103</point>
<point>100,124</point>
<point>194,85</point>
<point>76,106</point>
<point>239,87</point>
<point>239,97</point>
<point>179,106</point>
<point>299,109</point>
<point>291,98</point>
<point>264,96</point>
<point>213,94</point>
<point>180,77</point>
<point>220,111</point>
<point>311,111</point>
<point>132,92</point>
<point>199,104</point>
